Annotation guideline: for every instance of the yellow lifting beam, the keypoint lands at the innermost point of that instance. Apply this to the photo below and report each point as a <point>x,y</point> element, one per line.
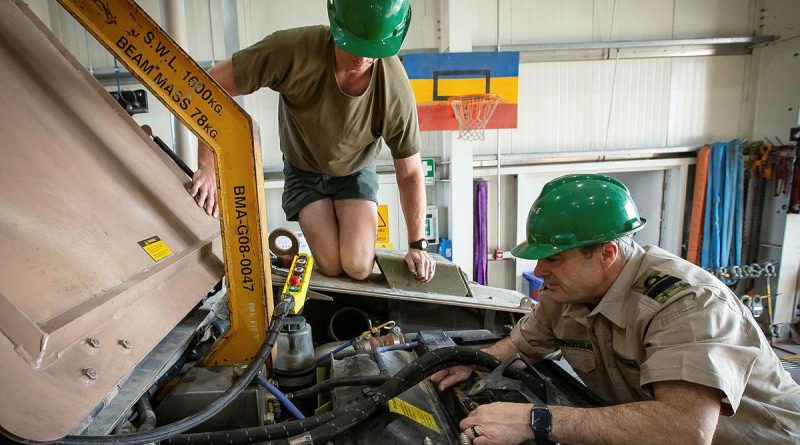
<point>205,108</point>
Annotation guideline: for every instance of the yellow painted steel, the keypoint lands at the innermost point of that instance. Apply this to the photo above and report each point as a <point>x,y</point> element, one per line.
<point>505,87</point>
<point>204,107</point>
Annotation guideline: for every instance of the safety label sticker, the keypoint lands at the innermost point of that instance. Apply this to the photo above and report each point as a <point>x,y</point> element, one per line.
<point>156,248</point>
<point>383,224</point>
<point>418,415</point>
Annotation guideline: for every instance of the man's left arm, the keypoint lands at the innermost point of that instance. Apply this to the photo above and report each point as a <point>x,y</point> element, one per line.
<point>682,412</point>
<point>411,185</point>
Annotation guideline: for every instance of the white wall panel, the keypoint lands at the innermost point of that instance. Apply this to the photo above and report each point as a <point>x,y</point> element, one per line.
<point>550,21</point>
<point>561,106</point>
<point>565,106</point>
<point>484,27</point>
<point>642,20</point>
<point>560,21</point>
<point>258,18</point>
<point>707,99</point>
<point>425,25</point>
<point>205,30</point>
<point>713,18</point>
<point>640,104</point>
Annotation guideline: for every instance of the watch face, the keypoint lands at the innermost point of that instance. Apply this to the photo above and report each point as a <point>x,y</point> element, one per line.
<point>419,245</point>
<point>541,420</point>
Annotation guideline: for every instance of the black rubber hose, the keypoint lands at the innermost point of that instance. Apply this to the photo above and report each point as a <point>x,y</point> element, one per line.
<point>370,380</point>
<point>329,425</point>
<point>253,434</point>
<point>406,378</point>
<point>166,431</point>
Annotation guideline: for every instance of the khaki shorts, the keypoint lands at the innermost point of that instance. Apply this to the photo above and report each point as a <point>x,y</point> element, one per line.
<point>301,188</point>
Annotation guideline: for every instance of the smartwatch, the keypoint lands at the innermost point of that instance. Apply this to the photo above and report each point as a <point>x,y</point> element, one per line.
<point>420,244</point>
<point>541,423</point>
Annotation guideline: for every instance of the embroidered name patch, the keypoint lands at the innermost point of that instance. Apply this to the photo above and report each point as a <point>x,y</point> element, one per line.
<point>575,344</point>
<point>658,285</point>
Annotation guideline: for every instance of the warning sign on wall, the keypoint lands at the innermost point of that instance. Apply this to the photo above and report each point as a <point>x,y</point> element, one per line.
<point>383,225</point>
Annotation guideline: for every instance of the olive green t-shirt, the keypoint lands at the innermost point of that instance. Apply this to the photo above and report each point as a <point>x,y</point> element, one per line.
<point>322,129</point>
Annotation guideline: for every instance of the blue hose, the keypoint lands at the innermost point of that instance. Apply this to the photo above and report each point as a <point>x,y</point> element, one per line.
<point>281,397</point>
<point>324,358</point>
<point>381,349</point>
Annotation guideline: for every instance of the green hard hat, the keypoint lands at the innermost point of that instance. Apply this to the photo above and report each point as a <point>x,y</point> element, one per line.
<point>369,28</point>
<point>578,210</point>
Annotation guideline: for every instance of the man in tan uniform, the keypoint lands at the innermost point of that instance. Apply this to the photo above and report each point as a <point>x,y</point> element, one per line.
<point>342,89</point>
<point>670,346</point>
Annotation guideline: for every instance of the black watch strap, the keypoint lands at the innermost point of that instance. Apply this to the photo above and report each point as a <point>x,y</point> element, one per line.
<point>541,424</point>
<point>420,244</point>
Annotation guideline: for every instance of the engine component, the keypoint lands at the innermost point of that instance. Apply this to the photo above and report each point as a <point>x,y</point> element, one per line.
<point>293,366</point>
<point>341,327</point>
<point>411,417</point>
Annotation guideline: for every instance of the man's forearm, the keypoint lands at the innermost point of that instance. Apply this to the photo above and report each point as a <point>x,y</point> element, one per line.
<point>626,424</point>
<point>413,202</point>
<point>205,157</point>
<point>503,349</point>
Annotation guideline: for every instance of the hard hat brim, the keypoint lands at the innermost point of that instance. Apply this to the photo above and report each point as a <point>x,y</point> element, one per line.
<point>529,251</point>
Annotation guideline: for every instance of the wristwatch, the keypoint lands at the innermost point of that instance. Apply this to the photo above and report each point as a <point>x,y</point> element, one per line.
<point>420,244</point>
<point>541,423</point>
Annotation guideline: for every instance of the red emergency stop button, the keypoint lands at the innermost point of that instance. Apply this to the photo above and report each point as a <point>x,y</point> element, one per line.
<point>294,280</point>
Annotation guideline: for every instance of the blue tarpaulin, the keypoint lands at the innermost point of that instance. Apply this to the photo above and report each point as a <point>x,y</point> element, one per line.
<point>722,223</point>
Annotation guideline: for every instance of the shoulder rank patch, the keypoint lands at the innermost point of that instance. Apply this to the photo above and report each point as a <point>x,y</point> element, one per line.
<point>658,285</point>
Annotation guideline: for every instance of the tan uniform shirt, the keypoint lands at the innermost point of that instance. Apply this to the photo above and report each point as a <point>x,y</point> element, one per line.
<point>322,129</point>
<point>667,319</point>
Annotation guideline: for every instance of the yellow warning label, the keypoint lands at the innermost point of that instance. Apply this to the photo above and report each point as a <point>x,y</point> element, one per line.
<point>156,248</point>
<point>383,224</point>
<point>384,245</point>
<point>420,416</point>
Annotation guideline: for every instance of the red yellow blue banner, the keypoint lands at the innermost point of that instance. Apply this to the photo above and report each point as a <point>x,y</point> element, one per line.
<point>435,78</point>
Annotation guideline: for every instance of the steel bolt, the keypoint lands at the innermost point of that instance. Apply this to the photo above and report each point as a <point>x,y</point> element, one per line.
<point>94,342</point>
<point>91,373</point>
<point>427,441</point>
<point>126,344</point>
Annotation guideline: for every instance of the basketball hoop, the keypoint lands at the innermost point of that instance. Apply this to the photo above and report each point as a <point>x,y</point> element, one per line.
<point>473,113</point>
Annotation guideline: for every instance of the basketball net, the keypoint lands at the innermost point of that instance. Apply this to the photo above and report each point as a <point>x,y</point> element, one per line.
<point>473,113</point>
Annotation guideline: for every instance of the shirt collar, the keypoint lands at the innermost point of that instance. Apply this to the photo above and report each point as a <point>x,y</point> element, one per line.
<point>612,305</point>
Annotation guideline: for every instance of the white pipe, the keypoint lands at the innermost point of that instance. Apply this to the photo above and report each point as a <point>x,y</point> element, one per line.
<point>174,13</point>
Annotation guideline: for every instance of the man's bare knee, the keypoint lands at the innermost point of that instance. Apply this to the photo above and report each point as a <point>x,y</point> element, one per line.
<point>358,270</point>
<point>328,267</point>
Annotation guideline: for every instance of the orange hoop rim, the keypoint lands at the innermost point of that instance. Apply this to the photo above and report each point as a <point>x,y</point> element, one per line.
<point>473,112</point>
<point>480,97</point>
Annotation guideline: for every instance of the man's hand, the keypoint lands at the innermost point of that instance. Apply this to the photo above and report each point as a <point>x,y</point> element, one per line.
<point>499,423</point>
<point>452,375</point>
<point>421,265</point>
<point>204,191</point>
